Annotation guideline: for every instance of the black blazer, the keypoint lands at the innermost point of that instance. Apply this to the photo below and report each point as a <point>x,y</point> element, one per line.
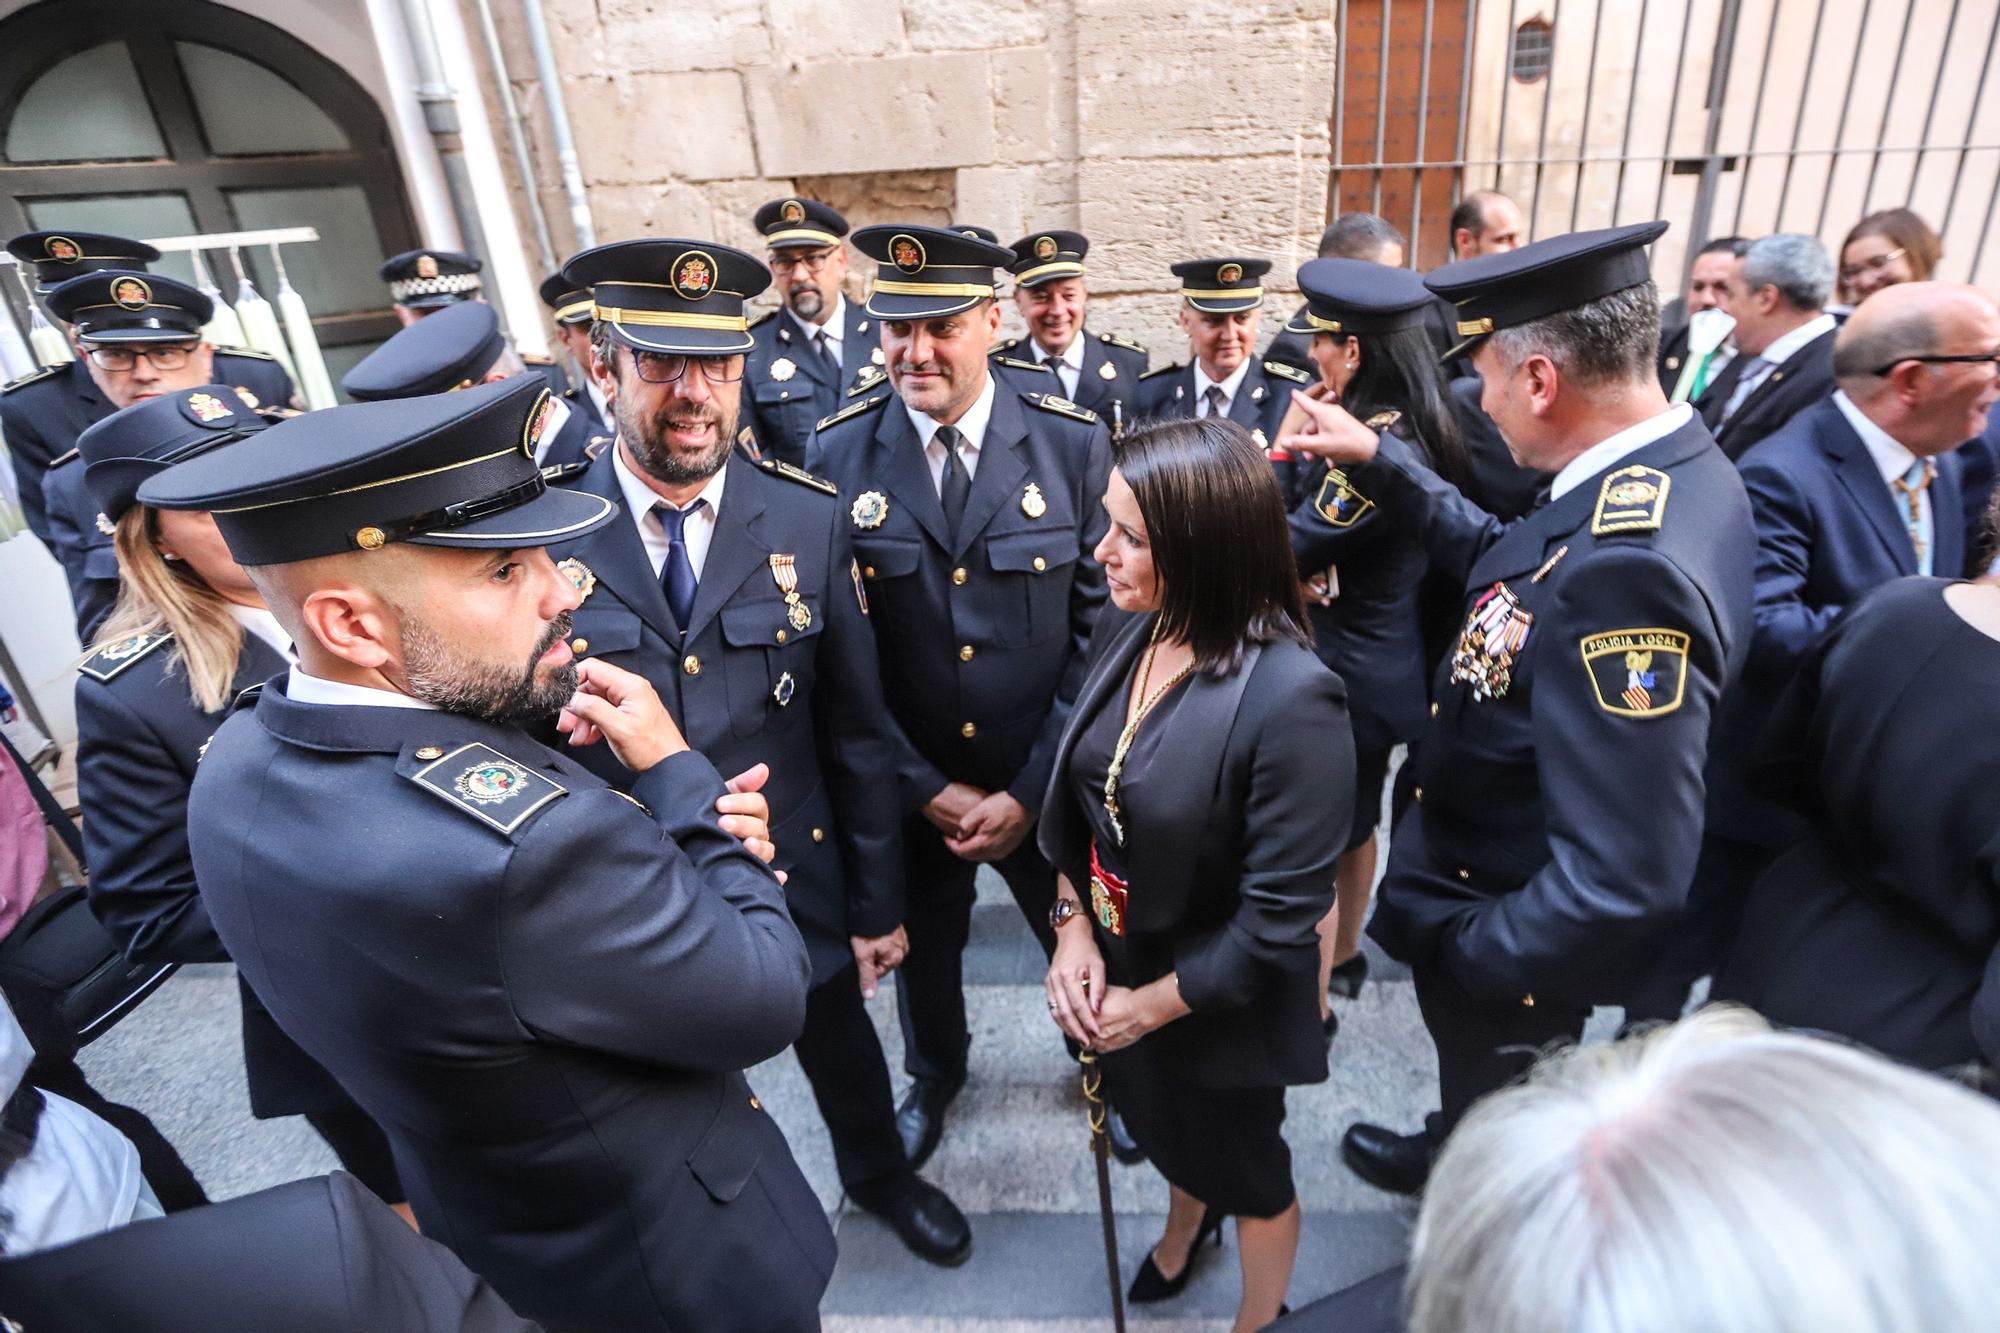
<point>1237,823</point>
<point>1259,405</point>
<point>314,1256</point>
<point>790,388</point>
<point>1803,379</point>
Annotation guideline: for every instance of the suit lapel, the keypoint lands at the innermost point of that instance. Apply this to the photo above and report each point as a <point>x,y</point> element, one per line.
<point>1716,396</point>
<point>1000,469</point>
<point>1112,672</point>
<point>1857,472</point>
<point>1246,409</point>
<point>615,554</point>
<point>735,552</point>
<point>904,472</point>
<point>1091,387</point>
<point>1947,531</point>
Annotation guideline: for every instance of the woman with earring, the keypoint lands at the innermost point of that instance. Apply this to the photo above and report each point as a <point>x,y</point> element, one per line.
<point>1201,793</point>
<point>188,634</point>
<point>1363,577</point>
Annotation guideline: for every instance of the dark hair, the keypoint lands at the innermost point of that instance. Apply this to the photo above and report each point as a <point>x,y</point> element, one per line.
<point>1989,536</point>
<point>1734,246</point>
<point>1470,215</point>
<point>1358,236</point>
<point>1222,551</point>
<point>1400,370</point>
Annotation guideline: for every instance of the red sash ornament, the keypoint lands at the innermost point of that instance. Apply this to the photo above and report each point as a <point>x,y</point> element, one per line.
<point>1107,895</point>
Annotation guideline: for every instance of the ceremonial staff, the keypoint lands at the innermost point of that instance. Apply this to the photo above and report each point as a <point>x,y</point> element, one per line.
<point>1100,1150</point>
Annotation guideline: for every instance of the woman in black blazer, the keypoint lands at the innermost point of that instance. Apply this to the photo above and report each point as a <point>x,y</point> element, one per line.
<point>1202,791</point>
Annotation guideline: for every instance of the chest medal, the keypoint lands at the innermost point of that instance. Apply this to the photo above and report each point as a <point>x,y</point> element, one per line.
<point>785,573</point>
<point>1492,639</point>
<point>870,508</point>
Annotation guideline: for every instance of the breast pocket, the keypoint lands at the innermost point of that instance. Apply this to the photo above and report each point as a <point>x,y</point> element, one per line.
<point>1032,573</point>
<point>601,631</point>
<point>784,640</point>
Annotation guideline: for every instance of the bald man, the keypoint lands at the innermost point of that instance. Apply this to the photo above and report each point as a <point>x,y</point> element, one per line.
<point>1862,488</point>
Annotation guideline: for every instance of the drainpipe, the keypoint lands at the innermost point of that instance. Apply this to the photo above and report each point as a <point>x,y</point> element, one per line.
<point>516,138</point>
<point>572,173</point>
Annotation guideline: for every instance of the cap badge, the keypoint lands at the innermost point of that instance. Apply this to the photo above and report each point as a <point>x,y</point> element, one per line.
<point>1032,503</point>
<point>694,275</point>
<point>906,253</point>
<point>1631,494</point>
<point>538,422</point>
<point>1045,247</point>
<point>131,293</point>
<point>792,211</point>
<point>1229,274</point>
<point>206,407</point>
<point>579,576</point>
<point>782,369</point>
<point>105,525</point>
<point>371,539</point>
<point>870,508</point>
<point>782,691</point>
<point>63,248</point>
<point>1107,371</point>
<point>492,782</point>
<point>427,266</point>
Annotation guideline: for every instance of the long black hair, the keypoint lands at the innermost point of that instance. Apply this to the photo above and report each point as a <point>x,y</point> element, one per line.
<point>1400,370</point>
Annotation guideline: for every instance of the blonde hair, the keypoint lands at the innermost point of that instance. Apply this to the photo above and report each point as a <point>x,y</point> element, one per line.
<point>159,596</point>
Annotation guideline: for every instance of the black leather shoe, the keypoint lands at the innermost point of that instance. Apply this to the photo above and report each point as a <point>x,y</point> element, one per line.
<point>1330,1025</point>
<point>1123,1146</point>
<point>923,1217</point>
<point>1345,980</point>
<point>920,1119</point>
<point>1398,1163</point>
<point>1148,1285</point>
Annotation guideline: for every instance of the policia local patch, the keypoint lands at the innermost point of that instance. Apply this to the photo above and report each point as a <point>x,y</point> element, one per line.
<point>1638,672</point>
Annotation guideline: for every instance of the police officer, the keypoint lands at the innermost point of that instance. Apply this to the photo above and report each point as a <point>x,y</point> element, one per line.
<point>1098,371</point>
<point>1221,300</point>
<point>974,510</point>
<point>139,336</point>
<point>1558,789</point>
<point>569,307</point>
<point>43,412</point>
<point>541,987</point>
<point>422,282</point>
<point>732,588</point>
<point>455,349</point>
<point>817,350</point>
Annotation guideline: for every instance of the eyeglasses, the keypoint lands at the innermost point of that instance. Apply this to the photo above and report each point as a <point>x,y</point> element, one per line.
<point>813,262</point>
<point>1957,359</point>
<point>171,357</point>
<point>666,367</point>
<point>1873,264</point>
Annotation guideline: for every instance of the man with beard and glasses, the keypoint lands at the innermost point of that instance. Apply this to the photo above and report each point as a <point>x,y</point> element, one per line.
<point>818,348</point>
<point>733,590</point>
<point>975,506</point>
<point>543,988</point>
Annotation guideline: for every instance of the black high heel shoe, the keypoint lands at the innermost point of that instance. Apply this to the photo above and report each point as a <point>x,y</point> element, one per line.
<point>1345,980</point>
<point>1148,1285</point>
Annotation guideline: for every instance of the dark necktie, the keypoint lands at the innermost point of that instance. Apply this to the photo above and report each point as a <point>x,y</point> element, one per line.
<point>677,571</point>
<point>953,486</point>
<point>825,350</point>
<point>1213,396</point>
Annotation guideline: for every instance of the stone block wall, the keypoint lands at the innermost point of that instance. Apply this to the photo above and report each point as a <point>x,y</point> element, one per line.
<point>1162,129</point>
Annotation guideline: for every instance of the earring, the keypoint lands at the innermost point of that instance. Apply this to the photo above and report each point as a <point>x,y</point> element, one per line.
<point>168,555</point>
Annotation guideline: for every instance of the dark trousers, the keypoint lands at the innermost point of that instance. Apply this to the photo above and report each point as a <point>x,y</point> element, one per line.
<point>843,1061</point>
<point>363,1149</point>
<point>1699,940</point>
<point>930,985</point>
<point>1482,1045</point>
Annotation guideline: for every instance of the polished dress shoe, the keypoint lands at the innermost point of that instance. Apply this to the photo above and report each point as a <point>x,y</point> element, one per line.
<point>920,1119</point>
<point>1330,1025</point>
<point>1149,1285</point>
<point>923,1217</point>
<point>1123,1146</point>
<point>1345,980</point>
<point>1398,1163</point>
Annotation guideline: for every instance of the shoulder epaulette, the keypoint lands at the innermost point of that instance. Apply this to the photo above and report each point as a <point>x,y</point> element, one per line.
<point>1163,370</point>
<point>1632,499</point>
<point>1007,346</point>
<point>1125,343</point>
<point>764,318</point>
<point>114,658</point>
<point>853,410</point>
<point>62,458</point>
<point>778,467</point>
<point>1383,420</point>
<point>480,781</point>
<point>1018,364</point>
<point>246,351</point>
<point>32,377</point>
<point>1062,407</point>
<point>245,698</point>
<point>1285,372</point>
<point>555,474</point>
<point>277,413</point>
<point>529,359</point>
<point>870,377</point>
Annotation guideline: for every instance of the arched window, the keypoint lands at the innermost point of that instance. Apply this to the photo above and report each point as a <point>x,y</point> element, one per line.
<point>180,116</point>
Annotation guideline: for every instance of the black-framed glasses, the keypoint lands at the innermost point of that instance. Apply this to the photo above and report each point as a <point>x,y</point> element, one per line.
<point>1944,359</point>
<point>666,367</point>
<point>812,263</point>
<point>170,356</point>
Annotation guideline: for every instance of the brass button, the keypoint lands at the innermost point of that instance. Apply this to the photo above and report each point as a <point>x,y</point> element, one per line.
<point>1040,564</point>
<point>959,575</point>
<point>1434,710</point>
<point>819,835</point>
<point>428,752</point>
<point>1463,873</point>
<point>691,664</point>
<point>781,636</point>
<point>969,730</point>
<point>869,570</point>
<point>756,1105</point>
<point>1420,793</point>
<point>578,645</point>
<point>965,653</point>
<point>1528,1000</point>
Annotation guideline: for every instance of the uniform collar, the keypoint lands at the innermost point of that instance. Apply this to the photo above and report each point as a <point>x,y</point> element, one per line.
<point>1604,453</point>
<point>641,499</point>
<point>265,626</point>
<point>971,426</point>
<point>305,688</point>
<point>1787,345</point>
<point>1230,386</point>
<point>1071,356</point>
<point>835,326</point>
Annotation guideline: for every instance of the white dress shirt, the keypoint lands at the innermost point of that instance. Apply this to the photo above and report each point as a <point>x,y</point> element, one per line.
<point>256,620</point>
<point>641,500</point>
<point>1602,455</point>
<point>1069,363</point>
<point>1229,387</point>
<point>833,330</point>
<point>1891,457</point>
<point>971,429</point>
<point>304,688</point>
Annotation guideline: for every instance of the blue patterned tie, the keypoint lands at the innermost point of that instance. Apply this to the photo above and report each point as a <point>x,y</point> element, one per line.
<point>677,573</point>
<point>1911,487</point>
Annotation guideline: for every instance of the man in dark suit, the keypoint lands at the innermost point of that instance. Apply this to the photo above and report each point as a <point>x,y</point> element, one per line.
<point>817,351</point>
<point>314,1256</point>
<point>975,508</point>
<point>1360,236</point>
<point>1096,371</point>
<point>1708,283</point>
<point>1558,799</point>
<point>732,588</point>
<point>1221,301</point>
<point>569,309</point>
<point>1777,294</point>
<point>542,987</point>
<point>1855,491</point>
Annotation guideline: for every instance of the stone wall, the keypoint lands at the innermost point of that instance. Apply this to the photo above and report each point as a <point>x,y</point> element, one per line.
<point>1162,129</point>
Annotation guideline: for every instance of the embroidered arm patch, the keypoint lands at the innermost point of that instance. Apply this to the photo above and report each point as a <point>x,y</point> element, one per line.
<point>1638,672</point>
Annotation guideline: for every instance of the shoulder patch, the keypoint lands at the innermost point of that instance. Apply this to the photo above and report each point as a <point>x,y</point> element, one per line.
<point>1173,369</point>
<point>114,658</point>
<point>1062,407</point>
<point>765,318</point>
<point>1126,343</point>
<point>1632,499</point>
<point>482,782</point>
<point>250,352</point>
<point>32,377</point>
<point>1285,372</point>
<point>853,410</point>
<point>1018,364</point>
<point>1637,672</point>
<point>1338,502</point>
<point>870,377</point>
<point>1383,420</point>
<point>555,474</point>
<point>780,468</point>
<point>1007,346</point>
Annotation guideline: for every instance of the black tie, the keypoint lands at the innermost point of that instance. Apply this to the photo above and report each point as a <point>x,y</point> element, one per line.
<point>826,354</point>
<point>1213,395</point>
<point>953,486</point>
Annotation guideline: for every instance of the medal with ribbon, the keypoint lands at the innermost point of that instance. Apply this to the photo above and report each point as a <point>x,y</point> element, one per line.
<point>785,573</point>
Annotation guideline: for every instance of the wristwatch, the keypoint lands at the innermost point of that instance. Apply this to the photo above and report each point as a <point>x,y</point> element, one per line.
<point>1063,910</point>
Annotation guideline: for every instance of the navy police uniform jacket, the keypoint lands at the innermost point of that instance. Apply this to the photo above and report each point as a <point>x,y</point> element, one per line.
<point>1111,369</point>
<point>1559,787</point>
<point>981,638</point>
<point>791,386</point>
<point>753,682</point>
<point>543,990</point>
<point>1258,406</point>
<point>80,544</point>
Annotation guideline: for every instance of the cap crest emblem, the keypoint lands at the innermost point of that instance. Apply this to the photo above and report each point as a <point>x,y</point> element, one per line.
<point>792,211</point>
<point>906,253</point>
<point>1229,274</point>
<point>206,407</point>
<point>63,248</point>
<point>1045,247</point>
<point>131,293</point>
<point>492,782</point>
<point>694,275</point>
<point>427,266</point>
<point>538,422</point>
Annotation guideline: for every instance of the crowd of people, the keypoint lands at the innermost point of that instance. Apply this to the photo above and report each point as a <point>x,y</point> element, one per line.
<point>545,752</point>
